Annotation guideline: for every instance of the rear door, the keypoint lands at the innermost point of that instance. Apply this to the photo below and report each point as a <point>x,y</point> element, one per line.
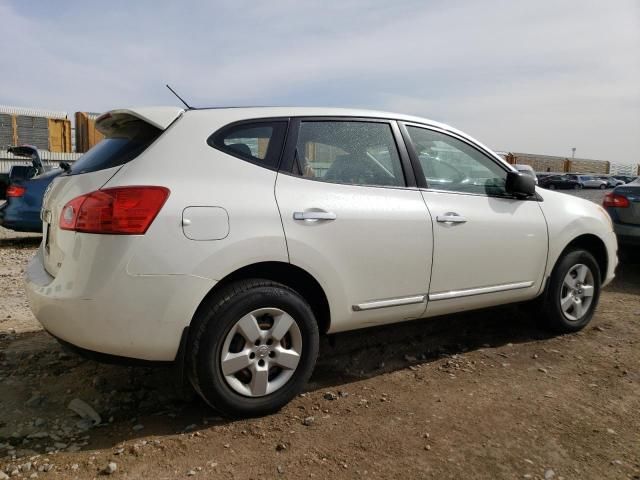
<point>353,219</point>
<point>128,133</point>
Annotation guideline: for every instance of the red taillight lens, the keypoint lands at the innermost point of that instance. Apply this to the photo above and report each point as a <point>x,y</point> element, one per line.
<point>15,191</point>
<point>117,211</point>
<point>615,200</point>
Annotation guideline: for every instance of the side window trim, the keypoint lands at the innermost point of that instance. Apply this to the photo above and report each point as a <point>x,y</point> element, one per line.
<point>288,163</point>
<point>212,140</point>
<point>415,162</point>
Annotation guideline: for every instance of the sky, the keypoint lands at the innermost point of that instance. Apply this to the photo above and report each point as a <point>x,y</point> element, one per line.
<point>522,76</point>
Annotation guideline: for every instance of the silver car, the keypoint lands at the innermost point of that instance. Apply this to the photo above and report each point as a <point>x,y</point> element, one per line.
<point>589,181</point>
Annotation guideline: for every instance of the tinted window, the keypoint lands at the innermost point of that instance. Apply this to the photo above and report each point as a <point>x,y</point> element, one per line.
<point>451,164</point>
<point>257,142</point>
<point>359,153</point>
<point>121,146</point>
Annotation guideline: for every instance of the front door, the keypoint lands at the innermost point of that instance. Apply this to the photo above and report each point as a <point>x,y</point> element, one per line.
<point>351,221</point>
<point>489,248</point>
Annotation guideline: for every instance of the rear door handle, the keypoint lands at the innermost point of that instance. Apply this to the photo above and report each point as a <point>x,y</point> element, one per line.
<point>314,215</point>
<point>451,217</point>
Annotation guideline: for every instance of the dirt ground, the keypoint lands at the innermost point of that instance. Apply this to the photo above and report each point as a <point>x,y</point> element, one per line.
<point>479,395</point>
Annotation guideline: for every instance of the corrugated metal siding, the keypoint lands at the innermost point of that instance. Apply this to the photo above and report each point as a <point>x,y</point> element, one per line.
<point>33,131</point>
<point>624,169</point>
<point>52,159</point>
<point>32,112</point>
<point>6,130</point>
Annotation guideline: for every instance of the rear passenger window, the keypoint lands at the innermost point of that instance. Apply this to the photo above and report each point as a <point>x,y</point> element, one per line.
<point>257,142</point>
<point>358,153</point>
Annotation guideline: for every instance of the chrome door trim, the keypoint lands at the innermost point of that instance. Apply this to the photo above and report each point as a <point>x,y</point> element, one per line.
<point>393,302</point>
<point>479,291</point>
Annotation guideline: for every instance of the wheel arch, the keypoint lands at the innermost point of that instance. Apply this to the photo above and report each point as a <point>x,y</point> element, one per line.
<point>592,244</point>
<point>288,274</point>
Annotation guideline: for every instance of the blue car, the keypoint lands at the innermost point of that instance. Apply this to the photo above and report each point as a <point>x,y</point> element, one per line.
<point>21,211</point>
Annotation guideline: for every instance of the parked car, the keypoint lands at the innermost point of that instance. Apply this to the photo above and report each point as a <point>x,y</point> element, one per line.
<point>623,204</point>
<point>625,178</point>
<point>560,182</point>
<point>611,181</point>
<point>589,181</point>
<point>229,240</point>
<point>527,170</point>
<point>27,184</point>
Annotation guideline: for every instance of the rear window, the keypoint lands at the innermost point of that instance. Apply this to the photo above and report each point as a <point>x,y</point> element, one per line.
<point>121,146</point>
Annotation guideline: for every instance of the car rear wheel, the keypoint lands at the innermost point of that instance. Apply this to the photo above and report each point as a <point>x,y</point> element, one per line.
<point>573,292</point>
<point>253,347</point>
<point>552,187</point>
<point>577,186</point>
<point>602,187</point>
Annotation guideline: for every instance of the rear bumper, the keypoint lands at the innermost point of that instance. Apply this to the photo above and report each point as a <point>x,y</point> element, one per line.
<point>114,313</point>
<point>627,234</point>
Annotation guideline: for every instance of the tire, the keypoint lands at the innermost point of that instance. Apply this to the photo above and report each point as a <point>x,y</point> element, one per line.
<point>217,331</point>
<point>577,186</point>
<point>579,314</point>
<point>552,187</point>
<point>602,187</point>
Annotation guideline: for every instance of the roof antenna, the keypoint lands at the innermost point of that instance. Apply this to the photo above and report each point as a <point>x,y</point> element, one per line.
<point>189,107</point>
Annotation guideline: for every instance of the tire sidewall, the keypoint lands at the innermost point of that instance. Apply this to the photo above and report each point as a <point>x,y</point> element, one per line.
<point>210,380</point>
<point>556,318</point>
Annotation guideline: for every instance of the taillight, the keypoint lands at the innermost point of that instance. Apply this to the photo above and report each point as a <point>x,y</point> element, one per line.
<point>615,200</point>
<point>117,211</point>
<point>15,191</point>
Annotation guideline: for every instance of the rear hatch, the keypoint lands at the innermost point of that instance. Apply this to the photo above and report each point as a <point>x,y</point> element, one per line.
<point>128,133</point>
<point>630,214</point>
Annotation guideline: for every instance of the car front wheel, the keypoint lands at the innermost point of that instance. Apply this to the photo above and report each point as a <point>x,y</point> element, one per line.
<point>253,348</point>
<point>573,292</point>
<point>602,187</point>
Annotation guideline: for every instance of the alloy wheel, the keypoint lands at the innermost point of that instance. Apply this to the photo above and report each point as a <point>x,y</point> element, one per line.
<point>261,352</point>
<point>576,294</point>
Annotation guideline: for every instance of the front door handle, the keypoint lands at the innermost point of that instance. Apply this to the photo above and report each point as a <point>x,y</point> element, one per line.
<point>451,217</point>
<point>314,215</point>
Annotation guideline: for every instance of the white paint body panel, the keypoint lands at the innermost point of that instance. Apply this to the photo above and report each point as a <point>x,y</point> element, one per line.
<point>205,223</point>
<point>569,217</point>
<point>502,242</point>
<point>134,295</point>
<point>378,247</point>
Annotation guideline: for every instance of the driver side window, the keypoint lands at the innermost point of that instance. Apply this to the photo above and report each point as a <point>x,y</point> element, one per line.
<point>451,164</point>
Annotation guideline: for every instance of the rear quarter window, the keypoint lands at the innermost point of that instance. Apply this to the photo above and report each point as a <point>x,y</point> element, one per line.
<point>258,142</point>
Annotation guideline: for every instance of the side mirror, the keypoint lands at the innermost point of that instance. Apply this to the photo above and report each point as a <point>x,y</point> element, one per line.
<point>520,184</point>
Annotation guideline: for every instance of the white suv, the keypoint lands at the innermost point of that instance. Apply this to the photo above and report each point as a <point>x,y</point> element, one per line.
<point>230,239</point>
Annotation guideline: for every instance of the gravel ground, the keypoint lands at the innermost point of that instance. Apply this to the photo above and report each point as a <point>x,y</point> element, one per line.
<point>479,395</point>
